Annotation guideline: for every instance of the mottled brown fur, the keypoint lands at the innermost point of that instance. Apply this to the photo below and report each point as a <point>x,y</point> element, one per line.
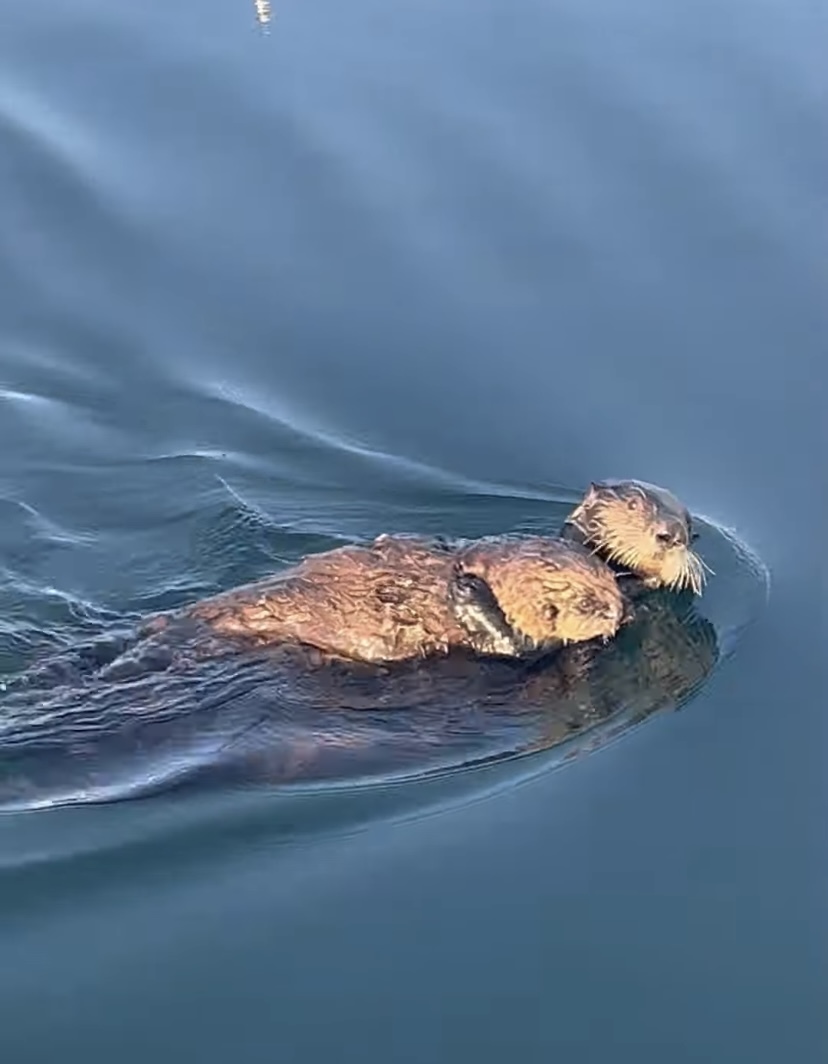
<point>384,602</point>
<point>390,600</point>
<point>642,529</point>
<point>400,597</point>
<point>548,588</point>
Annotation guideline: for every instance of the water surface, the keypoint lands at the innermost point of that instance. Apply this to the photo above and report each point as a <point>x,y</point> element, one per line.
<point>431,267</point>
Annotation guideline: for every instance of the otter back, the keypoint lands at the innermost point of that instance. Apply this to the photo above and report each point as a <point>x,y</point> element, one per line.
<point>384,602</point>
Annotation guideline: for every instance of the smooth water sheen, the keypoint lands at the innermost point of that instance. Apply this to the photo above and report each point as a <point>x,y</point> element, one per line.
<point>413,267</point>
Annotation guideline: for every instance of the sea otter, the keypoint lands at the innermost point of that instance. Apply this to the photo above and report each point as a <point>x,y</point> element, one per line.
<point>640,529</point>
<point>404,597</point>
<point>401,622</point>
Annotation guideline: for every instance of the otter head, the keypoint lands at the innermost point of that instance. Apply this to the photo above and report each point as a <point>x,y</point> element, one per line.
<point>593,609</point>
<point>640,528</point>
<point>556,591</point>
<point>546,590</point>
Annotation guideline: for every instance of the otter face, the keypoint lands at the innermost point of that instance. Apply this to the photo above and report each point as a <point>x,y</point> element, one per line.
<point>547,590</point>
<point>589,603</point>
<point>642,528</point>
<point>589,609</point>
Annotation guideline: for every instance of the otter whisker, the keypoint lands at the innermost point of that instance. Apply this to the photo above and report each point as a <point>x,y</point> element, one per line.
<point>640,538</point>
<point>693,575</point>
<point>699,565</point>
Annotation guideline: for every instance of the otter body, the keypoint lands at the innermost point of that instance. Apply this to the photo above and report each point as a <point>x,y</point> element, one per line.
<point>405,597</point>
<point>383,602</point>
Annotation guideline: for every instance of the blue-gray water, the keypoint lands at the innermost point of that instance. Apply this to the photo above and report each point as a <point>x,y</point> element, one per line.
<point>423,266</point>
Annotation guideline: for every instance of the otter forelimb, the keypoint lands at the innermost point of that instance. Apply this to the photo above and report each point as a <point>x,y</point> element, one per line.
<point>476,608</point>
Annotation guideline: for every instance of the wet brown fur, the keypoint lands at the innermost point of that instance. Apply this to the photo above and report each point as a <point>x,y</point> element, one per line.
<point>385,602</point>
<point>639,528</point>
<point>548,588</point>
<point>390,601</point>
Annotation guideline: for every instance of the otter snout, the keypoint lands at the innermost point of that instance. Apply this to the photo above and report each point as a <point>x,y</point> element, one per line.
<point>674,534</point>
<point>611,611</point>
<point>642,530</point>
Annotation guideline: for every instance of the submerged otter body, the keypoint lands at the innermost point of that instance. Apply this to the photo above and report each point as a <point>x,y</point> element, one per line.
<point>77,733</point>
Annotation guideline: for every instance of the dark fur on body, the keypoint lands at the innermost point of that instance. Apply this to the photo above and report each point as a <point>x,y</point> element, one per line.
<point>74,731</point>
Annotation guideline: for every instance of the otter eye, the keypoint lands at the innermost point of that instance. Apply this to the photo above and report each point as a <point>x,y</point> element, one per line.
<point>633,503</point>
<point>664,537</point>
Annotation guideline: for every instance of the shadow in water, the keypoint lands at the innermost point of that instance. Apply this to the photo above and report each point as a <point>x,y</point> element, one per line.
<point>71,733</point>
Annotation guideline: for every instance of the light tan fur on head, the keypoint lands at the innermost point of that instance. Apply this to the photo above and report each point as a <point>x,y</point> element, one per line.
<point>641,528</point>
<point>548,589</point>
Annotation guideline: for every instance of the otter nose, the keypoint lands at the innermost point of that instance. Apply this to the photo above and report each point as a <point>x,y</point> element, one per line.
<point>673,534</point>
<point>614,612</point>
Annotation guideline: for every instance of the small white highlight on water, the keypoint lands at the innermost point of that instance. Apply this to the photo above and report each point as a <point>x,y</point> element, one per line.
<point>262,11</point>
<point>23,397</point>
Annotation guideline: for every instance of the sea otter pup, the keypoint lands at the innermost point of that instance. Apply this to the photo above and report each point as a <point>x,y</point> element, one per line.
<point>405,597</point>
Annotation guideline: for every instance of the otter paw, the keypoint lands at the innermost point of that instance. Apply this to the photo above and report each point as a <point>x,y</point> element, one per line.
<point>477,610</point>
